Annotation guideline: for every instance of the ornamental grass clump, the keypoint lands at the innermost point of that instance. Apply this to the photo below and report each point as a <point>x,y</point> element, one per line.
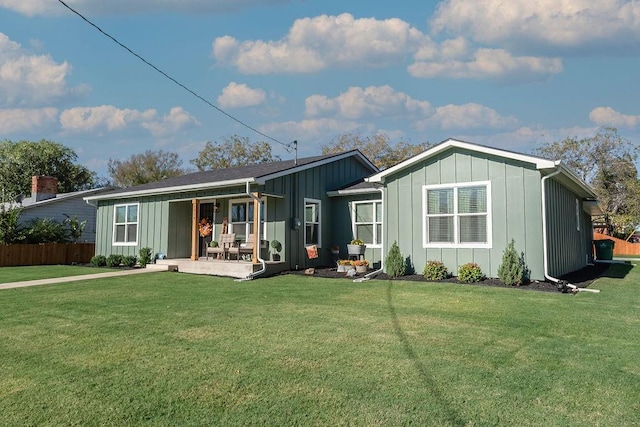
<point>394,263</point>
<point>470,273</point>
<point>435,270</point>
<point>513,271</point>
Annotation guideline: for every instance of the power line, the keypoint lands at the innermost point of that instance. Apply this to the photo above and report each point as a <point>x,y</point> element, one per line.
<point>209,103</point>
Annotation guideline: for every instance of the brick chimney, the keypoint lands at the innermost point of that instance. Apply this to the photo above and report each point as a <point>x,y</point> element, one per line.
<point>43,187</point>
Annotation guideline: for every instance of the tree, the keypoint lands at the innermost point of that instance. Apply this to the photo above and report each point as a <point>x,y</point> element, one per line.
<point>376,148</point>
<point>607,162</point>
<point>10,229</point>
<point>233,151</point>
<point>149,166</point>
<point>19,161</point>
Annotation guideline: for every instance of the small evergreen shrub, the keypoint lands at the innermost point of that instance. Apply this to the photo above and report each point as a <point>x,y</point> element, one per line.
<point>394,262</point>
<point>145,256</point>
<point>435,270</point>
<point>129,260</point>
<point>513,271</point>
<point>114,260</point>
<point>470,273</point>
<point>98,260</point>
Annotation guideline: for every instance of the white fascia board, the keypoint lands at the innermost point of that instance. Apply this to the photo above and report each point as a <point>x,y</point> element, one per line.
<point>577,180</point>
<point>168,190</point>
<point>335,193</point>
<point>449,143</point>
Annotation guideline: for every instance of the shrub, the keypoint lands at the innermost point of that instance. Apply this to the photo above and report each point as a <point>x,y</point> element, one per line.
<point>435,270</point>
<point>98,261</point>
<point>394,263</point>
<point>145,256</point>
<point>46,230</point>
<point>10,229</point>
<point>513,271</point>
<point>470,273</point>
<point>114,260</point>
<point>129,260</point>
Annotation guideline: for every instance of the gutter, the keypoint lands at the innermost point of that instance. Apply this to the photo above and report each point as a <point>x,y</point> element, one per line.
<point>257,240</point>
<point>562,285</point>
<point>378,271</point>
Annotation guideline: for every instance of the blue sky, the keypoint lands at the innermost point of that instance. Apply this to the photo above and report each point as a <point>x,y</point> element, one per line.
<point>510,74</point>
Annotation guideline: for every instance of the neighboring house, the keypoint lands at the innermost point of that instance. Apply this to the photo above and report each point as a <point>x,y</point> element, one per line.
<point>459,202</point>
<point>46,202</point>
<point>456,202</point>
<point>293,208</point>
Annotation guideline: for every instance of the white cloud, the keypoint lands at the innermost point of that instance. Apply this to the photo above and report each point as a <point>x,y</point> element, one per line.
<point>240,96</point>
<point>27,80</point>
<point>51,7</point>
<point>452,61</point>
<point>311,129</point>
<point>27,120</point>
<point>314,44</point>
<point>107,118</point>
<point>467,116</point>
<point>607,116</point>
<point>172,123</point>
<point>600,24</point>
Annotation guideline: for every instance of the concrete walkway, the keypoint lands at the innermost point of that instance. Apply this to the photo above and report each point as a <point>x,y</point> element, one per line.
<point>148,269</point>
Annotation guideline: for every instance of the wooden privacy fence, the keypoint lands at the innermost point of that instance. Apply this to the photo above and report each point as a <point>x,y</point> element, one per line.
<point>620,247</point>
<point>46,253</point>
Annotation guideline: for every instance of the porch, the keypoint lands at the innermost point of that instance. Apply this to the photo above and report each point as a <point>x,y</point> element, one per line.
<point>216,267</point>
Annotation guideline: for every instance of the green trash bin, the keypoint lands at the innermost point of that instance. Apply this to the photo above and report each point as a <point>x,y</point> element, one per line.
<point>604,249</point>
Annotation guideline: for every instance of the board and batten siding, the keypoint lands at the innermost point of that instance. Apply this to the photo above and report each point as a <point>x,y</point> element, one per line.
<point>516,210</point>
<point>569,230</point>
<point>312,183</point>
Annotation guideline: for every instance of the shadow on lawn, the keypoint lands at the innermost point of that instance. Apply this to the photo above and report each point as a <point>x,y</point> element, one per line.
<point>618,271</point>
<point>451,414</point>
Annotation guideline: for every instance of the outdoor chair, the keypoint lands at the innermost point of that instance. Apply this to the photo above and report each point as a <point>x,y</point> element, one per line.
<point>225,242</point>
<point>247,248</point>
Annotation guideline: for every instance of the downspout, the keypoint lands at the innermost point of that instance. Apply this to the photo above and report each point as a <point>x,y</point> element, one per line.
<point>257,240</point>
<point>378,271</point>
<point>562,286</point>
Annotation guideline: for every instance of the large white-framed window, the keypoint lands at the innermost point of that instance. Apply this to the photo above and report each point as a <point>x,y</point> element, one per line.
<point>125,224</point>
<point>457,215</point>
<point>366,222</point>
<point>241,218</point>
<point>312,218</point>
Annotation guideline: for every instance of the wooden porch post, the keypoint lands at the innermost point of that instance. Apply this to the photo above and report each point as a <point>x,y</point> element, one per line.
<point>195,209</point>
<point>256,226</point>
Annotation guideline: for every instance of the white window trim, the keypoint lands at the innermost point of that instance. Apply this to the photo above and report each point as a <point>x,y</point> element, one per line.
<point>375,222</point>
<point>113,237</point>
<point>455,186</point>
<point>304,223</point>
<point>263,200</point>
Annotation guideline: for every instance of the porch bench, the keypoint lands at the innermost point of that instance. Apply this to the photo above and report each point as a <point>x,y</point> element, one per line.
<point>247,248</point>
<point>225,242</point>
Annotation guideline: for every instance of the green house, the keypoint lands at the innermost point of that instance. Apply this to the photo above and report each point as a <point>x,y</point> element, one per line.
<point>460,202</point>
<point>284,201</point>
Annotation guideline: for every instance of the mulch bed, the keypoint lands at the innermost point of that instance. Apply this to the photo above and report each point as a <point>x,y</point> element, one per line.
<point>581,278</point>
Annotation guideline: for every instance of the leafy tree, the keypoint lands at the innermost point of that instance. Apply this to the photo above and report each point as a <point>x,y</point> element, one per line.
<point>149,166</point>
<point>10,230</point>
<point>233,151</point>
<point>376,148</point>
<point>607,162</point>
<point>75,227</point>
<point>45,230</point>
<point>19,161</point>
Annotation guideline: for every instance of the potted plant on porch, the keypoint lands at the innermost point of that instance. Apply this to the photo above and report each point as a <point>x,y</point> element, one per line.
<point>277,246</point>
<point>361,265</point>
<point>356,247</point>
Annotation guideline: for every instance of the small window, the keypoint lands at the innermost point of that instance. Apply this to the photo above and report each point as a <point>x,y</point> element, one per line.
<point>457,215</point>
<point>125,225</point>
<point>312,216</point>
<point>366,220</point>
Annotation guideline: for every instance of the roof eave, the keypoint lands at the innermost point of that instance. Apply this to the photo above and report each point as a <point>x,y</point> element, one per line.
<point>174,189</point>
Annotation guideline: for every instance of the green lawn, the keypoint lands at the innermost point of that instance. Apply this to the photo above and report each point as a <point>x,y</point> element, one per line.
<point>180,350</point>
<point>20,274</point>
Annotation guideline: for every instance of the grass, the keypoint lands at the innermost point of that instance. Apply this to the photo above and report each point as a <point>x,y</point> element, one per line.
<point>20,274</point>
<point>175,349</point>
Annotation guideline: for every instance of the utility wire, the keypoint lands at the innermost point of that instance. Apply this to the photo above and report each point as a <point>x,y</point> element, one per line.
<point>171,78</point>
